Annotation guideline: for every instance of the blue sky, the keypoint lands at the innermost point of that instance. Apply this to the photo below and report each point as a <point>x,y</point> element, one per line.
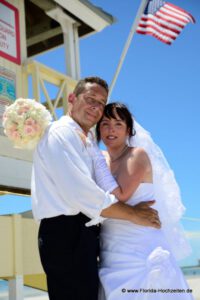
<point>161,86</point>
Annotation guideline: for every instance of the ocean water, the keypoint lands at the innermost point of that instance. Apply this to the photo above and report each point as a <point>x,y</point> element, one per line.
<point>3,285</point>
<point>191,271</point>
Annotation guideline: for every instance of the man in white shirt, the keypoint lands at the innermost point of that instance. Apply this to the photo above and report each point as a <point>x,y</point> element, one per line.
<point>65,197</point>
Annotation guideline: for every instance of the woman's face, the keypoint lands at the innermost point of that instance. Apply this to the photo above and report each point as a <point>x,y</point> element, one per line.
<point>113,132</point>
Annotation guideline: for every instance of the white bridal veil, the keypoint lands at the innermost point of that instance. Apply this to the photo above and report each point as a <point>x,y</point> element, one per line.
<point>167,193</point>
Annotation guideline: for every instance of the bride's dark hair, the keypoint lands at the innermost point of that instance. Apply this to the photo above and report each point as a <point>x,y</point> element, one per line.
<point>111,111</point>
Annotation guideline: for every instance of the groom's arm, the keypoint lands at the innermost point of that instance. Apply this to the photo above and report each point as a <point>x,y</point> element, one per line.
<point>73,180</point>
<point>141,213</point>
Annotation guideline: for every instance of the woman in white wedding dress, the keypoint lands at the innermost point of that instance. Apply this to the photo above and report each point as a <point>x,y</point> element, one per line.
<point>138,262</point>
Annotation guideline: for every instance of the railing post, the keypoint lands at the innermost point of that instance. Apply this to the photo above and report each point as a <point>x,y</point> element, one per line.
<point>24,81</point>
<point>16,283</point>
<point>36,83</point>
<point>15,288</point>
<point>42,74</point>
<point>64,100</point>
<point>70,35</point>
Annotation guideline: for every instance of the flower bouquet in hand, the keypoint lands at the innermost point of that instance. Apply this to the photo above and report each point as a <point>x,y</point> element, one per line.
<point>24,122</point>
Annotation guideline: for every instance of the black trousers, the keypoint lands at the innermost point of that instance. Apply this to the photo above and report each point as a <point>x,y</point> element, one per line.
<point>68,251</point>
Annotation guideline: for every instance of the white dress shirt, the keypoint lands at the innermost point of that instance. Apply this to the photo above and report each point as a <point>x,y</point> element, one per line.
<point>62,176</point>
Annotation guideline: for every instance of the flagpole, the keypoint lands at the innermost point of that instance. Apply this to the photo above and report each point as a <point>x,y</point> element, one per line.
<point>126,47</point>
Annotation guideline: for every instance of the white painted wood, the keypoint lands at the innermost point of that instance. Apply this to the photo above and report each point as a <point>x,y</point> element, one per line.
<point>51,108</point>
<point>43,36</point>
<point>19,246</point>
<point>17,241</point>
<point>84,13</point>
<point>77,51</point>
<point>70,58</point>
<point>11,66</point>
<point>15,172</point>
<point>7,150</point>
<point>6,246</point>
<point>36,84</point>
<point>16,288</point>
<point>59,95</point>
<point>23,50</point>
<point>70,35</point>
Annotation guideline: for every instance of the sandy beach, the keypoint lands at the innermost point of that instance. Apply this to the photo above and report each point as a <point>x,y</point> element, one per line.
<point>194,284</point>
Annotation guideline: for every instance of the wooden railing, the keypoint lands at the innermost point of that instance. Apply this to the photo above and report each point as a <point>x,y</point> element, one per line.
<point>19,257</point>
<point>41,75</point>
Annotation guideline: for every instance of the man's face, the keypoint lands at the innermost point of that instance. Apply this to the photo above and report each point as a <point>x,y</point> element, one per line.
<point>87,107</point>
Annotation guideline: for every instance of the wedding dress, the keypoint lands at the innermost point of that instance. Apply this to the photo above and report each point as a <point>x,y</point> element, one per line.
<point>136,262</point>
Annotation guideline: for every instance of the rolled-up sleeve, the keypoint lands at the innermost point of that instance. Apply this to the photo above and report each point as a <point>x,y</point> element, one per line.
<point>67,165</point>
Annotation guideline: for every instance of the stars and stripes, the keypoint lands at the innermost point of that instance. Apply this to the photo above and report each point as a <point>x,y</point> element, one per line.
<point>163,20</point>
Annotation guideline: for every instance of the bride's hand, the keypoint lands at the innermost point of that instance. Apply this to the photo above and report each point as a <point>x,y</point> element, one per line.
<point>145,215</point>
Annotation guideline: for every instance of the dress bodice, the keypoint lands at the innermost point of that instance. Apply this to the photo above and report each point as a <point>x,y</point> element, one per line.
<point>144,192</point>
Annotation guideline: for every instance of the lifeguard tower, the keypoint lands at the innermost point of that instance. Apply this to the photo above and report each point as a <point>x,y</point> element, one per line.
<point>27,28</point>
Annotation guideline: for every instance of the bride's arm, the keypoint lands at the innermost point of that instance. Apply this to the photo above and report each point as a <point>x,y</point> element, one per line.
<point>131,175</point>
<point>136,170</point>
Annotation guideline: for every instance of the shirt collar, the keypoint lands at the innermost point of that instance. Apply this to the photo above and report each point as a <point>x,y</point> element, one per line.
<point>73,124</point>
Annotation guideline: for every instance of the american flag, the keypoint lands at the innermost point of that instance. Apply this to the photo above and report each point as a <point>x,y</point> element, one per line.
<point>163,20</point>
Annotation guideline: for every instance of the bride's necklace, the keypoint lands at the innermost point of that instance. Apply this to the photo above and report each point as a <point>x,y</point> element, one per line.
<point>120,155</point>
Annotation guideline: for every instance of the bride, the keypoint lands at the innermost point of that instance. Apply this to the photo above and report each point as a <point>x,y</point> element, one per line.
<point>138,262</point>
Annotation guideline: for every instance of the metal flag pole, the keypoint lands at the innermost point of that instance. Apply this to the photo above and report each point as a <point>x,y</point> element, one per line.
<point>127,44</point>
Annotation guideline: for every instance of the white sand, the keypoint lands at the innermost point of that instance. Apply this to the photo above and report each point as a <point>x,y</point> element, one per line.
<point>194,284</point>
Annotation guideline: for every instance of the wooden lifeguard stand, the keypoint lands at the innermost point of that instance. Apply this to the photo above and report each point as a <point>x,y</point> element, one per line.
<point>27,28</point>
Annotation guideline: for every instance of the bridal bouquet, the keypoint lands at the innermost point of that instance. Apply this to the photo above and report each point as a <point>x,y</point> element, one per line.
<point>24,122</point>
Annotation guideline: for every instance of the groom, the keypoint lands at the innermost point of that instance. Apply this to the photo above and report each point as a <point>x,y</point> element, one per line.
<point>65,198</point>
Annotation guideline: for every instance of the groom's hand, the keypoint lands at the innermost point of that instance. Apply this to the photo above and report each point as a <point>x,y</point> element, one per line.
<point>141,214</point>
<point>145,215</point>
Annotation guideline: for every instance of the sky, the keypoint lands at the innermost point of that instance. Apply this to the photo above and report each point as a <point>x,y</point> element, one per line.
<point>161,86</point>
